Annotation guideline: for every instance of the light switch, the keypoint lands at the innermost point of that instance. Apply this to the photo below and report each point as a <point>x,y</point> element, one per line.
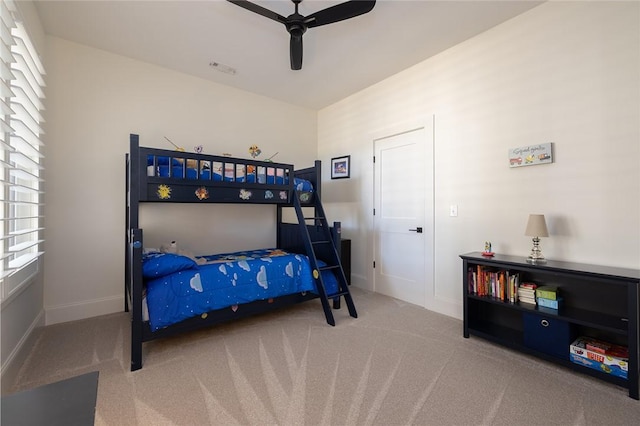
<point>453,210</point>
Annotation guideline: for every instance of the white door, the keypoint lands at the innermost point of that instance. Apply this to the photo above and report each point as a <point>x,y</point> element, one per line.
<point>403,219</point>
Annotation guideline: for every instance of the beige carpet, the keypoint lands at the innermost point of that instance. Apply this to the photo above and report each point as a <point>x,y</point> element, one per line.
<point>397,364</point>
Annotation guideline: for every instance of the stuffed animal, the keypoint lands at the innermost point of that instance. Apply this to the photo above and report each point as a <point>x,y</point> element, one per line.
<point>172,247</point>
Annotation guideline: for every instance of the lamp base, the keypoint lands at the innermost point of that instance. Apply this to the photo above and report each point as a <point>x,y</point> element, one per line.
<point>536,256</point>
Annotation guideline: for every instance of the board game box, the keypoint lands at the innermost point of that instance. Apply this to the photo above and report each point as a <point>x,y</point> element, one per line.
<point>607,363</point>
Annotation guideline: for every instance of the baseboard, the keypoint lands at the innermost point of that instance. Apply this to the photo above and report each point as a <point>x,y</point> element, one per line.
<point>82,310</point>
<point>9,369</point>
<point>361,281</point>
<point>448,307</point>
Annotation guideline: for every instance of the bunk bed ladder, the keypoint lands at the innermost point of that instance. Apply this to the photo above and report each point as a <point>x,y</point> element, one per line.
<point>332,263</point>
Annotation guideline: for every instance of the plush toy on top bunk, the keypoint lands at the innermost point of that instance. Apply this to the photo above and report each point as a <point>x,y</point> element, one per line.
<point>255,152</point>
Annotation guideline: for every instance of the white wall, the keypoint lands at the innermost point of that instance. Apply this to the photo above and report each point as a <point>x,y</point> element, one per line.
<point>564,72</point>
<point>94,101</point>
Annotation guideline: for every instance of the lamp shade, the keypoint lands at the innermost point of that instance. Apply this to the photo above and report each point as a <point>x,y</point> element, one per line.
<point>536,226</point>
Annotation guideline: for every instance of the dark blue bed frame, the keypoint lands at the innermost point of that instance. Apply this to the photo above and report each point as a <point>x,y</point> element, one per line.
<point>143,188</point>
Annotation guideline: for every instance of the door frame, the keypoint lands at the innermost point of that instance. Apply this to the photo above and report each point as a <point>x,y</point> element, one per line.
<point>428,124</point>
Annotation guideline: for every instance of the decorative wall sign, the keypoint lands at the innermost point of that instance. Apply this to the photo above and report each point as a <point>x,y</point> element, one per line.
<point>530,155</point>
<point>340,167</point>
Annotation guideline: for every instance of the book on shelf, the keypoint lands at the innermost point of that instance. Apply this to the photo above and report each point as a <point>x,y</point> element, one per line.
<point>523,293</point>
<point>484,281</point>
<point>527,299</point>
<point>471,281</point>
<point>527,289</point>
<point>529,285</point>
<point>502,285</point>
<point>498,284</point>
<point>514,283</point>
<point>547,291</point>
<point>550,303</point>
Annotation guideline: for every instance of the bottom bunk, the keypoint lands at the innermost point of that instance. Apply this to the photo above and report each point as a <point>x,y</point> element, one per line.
<point>169,293</point>
<point>179,287</point>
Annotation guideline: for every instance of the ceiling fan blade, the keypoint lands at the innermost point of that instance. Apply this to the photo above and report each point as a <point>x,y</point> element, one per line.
<point>295,50</point>
<point>259,10</point>
<point>339,12</point>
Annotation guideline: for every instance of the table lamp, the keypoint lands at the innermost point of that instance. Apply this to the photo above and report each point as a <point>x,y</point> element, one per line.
<point>536,228</point>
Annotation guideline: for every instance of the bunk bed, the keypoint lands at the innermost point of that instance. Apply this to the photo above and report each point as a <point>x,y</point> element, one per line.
<point>170,293</point>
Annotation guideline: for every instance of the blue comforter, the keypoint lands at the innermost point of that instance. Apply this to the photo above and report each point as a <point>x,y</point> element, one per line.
<point>178,288</point>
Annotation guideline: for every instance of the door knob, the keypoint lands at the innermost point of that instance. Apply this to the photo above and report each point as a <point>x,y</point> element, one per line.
<point>418,230</point>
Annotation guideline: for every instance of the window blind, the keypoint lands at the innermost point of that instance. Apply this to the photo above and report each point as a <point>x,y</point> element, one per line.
<point>21,89</point>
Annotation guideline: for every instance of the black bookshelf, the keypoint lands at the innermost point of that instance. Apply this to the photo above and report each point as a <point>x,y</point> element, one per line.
<point>599,301</point>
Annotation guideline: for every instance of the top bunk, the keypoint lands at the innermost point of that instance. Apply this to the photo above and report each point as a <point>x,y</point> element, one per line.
<point>160,175</point>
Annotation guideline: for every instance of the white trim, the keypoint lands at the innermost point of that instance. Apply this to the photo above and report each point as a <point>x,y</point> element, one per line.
<point>447,306</point>
<point>82,310</point>
<point>37,322</point>
<point>8,293</point>
<point>361,281</point>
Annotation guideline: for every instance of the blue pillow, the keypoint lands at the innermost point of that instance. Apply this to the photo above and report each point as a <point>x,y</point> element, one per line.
<point>302,185</point>
<point>155,265</point>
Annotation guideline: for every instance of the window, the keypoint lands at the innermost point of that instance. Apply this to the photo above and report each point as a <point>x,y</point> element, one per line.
<point>21,75</point>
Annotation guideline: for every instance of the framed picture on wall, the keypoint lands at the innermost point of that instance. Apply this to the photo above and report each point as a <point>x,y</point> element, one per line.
<point>340,167</point>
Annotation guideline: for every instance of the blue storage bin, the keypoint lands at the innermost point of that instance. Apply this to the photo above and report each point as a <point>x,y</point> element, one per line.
<point>547,334</point>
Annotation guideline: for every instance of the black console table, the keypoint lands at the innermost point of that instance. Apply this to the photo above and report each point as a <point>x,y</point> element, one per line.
<point>67,402</point>
<point>600,302</point>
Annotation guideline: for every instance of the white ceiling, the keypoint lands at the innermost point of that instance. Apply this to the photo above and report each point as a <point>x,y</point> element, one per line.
<point>339,59</point>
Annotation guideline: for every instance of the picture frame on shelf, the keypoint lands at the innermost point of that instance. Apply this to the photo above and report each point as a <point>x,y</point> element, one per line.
<point>340,167</point>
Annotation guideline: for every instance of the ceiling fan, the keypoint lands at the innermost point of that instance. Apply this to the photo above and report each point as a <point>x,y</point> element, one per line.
<point>297,24</point>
